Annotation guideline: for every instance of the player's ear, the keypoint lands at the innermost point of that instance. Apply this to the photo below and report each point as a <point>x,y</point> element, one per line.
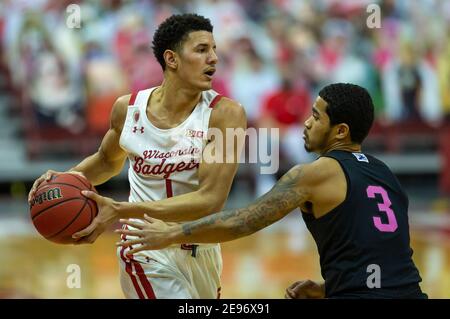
<point>170,57</point>
<point>343,131</point>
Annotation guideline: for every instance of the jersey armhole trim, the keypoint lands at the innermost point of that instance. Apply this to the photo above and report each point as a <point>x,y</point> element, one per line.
<point>215,101</point>
<point>132,99</point>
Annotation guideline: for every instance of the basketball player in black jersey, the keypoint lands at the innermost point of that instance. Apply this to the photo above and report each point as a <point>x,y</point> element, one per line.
<point>353,205</point>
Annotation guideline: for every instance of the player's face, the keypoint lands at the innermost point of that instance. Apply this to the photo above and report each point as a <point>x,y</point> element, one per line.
<point>198,60</point>
<point>317,128</point>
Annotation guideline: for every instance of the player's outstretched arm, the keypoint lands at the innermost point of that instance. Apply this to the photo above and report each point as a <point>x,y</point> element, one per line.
<point>216,172</point>
<point>289,193</point>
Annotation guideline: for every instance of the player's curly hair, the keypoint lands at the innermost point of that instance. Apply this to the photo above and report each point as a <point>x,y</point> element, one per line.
<point>173,31</point>
<point>350,104</point>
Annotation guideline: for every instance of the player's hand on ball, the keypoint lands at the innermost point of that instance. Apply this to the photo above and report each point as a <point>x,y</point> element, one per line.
<point>305,289</point>
<point>151,234</point>
<point>107,215</point>
<point>46,177</point>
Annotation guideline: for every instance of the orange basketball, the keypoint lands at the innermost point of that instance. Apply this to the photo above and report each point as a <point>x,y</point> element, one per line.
<point>58,209</point>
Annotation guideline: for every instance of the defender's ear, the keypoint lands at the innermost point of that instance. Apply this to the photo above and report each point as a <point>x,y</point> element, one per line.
<point>343,131</point>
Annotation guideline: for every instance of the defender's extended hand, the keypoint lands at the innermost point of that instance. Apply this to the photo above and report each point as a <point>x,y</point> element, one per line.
<point>152,234</point>
<point>305,289</point>
<point>107,215</point>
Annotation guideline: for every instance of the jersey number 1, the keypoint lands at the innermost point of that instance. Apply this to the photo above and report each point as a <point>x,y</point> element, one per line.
<point>169,190</point>
<point>385,207</point>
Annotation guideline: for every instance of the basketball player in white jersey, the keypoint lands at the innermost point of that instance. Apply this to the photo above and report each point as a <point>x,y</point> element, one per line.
<point>163,132</point>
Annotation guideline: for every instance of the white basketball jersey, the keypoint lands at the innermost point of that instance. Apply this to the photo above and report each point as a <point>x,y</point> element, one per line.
<point>164,162</point>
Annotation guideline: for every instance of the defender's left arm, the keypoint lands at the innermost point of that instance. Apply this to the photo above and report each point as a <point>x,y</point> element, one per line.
<point>283,198</point>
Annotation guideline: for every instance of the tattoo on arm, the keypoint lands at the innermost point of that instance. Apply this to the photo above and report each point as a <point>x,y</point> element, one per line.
<point>284,197</point>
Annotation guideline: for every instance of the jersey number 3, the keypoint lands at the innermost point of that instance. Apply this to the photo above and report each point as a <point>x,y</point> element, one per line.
<point>385,207</point>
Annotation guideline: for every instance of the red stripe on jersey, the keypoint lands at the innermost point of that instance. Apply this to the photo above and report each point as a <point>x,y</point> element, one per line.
<point>169,188</point>
<point>129,270</point>
<point>144,280</point>
<point>215,100</point>
<point>124,237</point>
<point>132,98</point>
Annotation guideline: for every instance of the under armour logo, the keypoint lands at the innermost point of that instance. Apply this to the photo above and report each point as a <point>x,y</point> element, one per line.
<point>135,129</point>
<point>148,259</point>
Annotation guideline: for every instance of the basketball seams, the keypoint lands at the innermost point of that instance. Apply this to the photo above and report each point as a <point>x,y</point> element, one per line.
<point>82,181</point>
<point>92,217</point>
<point>71,222</point>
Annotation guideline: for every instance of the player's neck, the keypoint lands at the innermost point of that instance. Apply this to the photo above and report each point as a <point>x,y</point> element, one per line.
<point>175,98</point>
<point>342,146</point>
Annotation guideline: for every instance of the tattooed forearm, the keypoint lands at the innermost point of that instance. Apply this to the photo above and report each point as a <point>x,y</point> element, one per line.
<point>190,227</point>
<point>284,197</point>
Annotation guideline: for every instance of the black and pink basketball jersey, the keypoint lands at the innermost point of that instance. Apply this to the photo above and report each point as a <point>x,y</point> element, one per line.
<point>364,243</point>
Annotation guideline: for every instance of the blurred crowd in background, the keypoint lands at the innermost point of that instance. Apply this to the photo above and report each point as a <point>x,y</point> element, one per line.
<point>284,46</point>
<point>274,57</point>
<point>271,52</point>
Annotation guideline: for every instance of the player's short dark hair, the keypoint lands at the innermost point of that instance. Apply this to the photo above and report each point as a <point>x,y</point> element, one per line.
<point>350,104</point>
<point>173,31</point>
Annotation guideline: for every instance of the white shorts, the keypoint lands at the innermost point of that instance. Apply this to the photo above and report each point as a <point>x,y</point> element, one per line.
<point>172,273</point>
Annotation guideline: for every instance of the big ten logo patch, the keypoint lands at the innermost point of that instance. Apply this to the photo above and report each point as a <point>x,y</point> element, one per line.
<point>194,133</point>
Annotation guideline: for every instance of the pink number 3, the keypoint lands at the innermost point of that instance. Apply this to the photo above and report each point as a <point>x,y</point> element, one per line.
<point>385,206</point>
